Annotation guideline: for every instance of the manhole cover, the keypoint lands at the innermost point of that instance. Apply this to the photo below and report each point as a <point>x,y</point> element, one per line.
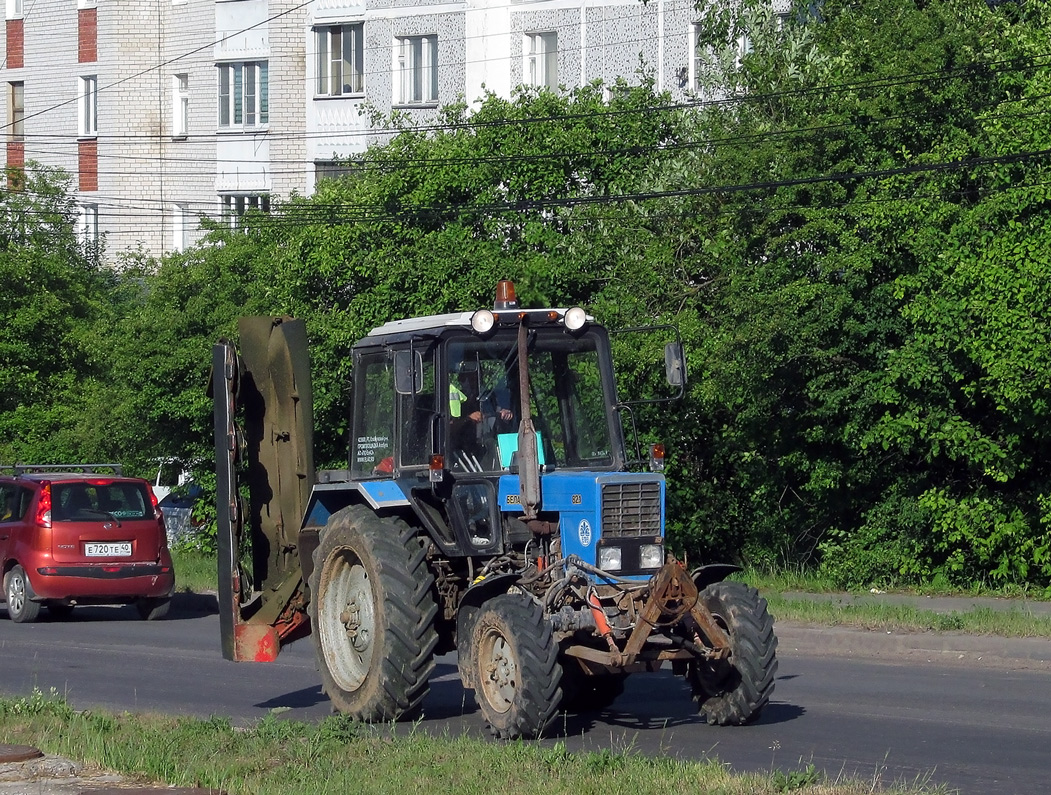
<point>18,753</point>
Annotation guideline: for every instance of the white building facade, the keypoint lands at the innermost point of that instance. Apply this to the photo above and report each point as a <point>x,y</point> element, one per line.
<point>168,111</point>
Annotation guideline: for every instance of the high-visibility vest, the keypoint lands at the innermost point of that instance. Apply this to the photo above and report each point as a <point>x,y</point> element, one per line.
<point>456,399</point>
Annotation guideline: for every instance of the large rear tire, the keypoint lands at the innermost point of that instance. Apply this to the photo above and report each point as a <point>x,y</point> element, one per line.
<point>372,615</point>
<point>733,692</point>
<point>515,667</point>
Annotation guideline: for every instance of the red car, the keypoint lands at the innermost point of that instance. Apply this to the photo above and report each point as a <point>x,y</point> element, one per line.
<point>71,537</point>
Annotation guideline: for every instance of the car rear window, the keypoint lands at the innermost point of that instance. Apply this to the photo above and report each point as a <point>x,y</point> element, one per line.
<point>99,500</point>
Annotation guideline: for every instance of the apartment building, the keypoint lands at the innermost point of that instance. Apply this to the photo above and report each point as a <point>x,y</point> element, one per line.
<point>170,111</point>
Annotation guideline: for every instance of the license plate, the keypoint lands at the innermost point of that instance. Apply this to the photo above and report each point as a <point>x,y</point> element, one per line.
<point>107,549</point>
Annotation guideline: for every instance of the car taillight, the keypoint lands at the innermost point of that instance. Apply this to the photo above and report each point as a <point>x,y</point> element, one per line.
<point>43,508</point>
<point>153,501</point>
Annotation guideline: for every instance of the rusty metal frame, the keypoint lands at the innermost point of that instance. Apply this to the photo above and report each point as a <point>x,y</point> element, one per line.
<point>671,593</point>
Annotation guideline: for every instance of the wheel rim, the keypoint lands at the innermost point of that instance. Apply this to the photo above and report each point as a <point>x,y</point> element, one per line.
<point>347,614</point>
<point>720,677</point>
<point>16,593</point>
<point>499,670</point>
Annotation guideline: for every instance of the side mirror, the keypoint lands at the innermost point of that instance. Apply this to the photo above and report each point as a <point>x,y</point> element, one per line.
<point>408,372</point>
<point>675,364</point>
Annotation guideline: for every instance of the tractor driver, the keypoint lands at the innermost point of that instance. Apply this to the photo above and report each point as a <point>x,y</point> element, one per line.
<point>474,417</point>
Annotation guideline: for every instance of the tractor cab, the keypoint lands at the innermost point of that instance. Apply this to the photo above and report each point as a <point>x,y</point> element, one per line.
<point>453,387</point>
<point>491,425</point>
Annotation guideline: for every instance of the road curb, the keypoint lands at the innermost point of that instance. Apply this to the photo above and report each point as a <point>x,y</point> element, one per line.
<point>895,646</point>
<point>50,774</point>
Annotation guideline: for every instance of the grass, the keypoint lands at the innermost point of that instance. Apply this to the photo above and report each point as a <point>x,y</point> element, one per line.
<point>784,592</point>
<point>195,572</point>
<point>1017,623</point>
<point>802,579</point>
<point>338,755</point>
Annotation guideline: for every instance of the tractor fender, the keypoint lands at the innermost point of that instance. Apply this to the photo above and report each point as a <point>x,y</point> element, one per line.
<point>486,589</point>
<point>473,598</point>
<point>713,572</point>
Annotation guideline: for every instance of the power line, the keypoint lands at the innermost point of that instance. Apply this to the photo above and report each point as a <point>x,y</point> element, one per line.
<point>314,213</point>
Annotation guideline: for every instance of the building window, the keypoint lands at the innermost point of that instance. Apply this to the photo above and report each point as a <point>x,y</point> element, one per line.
<point>333,169</point>
<point>87,102</point>
<point>88,224</point>
<point>243,100</point>
<point>14,9</point>
<point>233,206</point>
<point>416,63</point>
<point>16,111</point>
<point>541,60</point>
<point>340,60</point>
<point>180,224</point>
<point>180,105</point>
<point>705,66</point>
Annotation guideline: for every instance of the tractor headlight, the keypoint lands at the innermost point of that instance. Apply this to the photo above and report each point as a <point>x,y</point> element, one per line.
<point>575,318</point>
<point>610,558</point>
<point>651,556</point>
<point>483,321</point>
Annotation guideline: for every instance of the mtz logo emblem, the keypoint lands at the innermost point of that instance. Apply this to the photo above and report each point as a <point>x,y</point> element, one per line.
<point>577,499</point>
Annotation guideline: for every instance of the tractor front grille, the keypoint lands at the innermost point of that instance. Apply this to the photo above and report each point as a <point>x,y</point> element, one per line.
<point>631,510</point>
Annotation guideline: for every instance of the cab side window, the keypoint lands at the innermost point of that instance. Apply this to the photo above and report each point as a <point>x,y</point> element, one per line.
<point>373,445</point>
<point>417,417</point>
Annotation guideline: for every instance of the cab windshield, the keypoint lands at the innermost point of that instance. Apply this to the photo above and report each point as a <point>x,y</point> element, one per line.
<point>567,400</point>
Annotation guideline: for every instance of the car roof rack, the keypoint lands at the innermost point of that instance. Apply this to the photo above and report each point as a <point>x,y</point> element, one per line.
<point>87,469</point>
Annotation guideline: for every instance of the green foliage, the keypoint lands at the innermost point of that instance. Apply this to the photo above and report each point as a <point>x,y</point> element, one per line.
<point>37,703</point>
<point>873,389</point>
<point>796,779</point>
<point>431,221</point>
<point>54,295</point>
<point>276,756</point>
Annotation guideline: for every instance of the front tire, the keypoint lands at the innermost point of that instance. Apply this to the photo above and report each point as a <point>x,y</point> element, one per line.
<point>59,610</point>
<point>372,615</point>
<point>515,667</point>
<point>733,692</point>
<point>152,609</point>
<point>18,592</point>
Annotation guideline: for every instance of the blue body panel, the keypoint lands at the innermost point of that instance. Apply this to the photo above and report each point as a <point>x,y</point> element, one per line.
<point>577,497</point>
<point>382,493</point>
<point>327,498</point>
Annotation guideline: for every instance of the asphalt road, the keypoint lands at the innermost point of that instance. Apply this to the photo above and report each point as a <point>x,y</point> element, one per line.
<point>969,713</point>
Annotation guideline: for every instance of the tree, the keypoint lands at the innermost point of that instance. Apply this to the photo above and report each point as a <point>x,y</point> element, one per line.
<point>430,221</point>
<point>54,293</point>
<point>869,387</point>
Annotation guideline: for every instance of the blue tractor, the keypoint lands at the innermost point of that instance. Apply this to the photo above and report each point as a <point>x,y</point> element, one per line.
<point>488,507</point>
